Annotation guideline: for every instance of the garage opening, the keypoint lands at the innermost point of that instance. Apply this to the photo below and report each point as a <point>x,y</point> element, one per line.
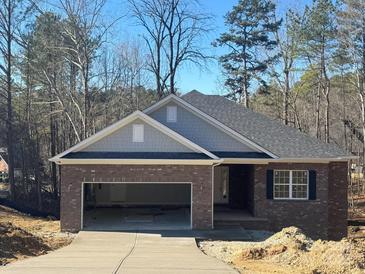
<point>136,206</point>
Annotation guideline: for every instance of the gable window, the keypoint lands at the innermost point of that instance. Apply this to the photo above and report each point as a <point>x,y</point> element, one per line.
<point>291,184</point>
<point>138,133</point>
<point>171,114</point>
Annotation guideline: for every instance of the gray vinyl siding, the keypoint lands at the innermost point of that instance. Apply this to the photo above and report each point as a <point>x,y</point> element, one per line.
<point>199,131</point>
<point>121,141</point>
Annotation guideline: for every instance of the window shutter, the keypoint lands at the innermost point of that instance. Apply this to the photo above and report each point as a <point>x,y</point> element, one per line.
<point>312,185</point>
<point>269,184</point>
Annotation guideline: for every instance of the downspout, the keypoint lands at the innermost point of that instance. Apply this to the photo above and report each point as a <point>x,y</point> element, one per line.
<point>213,166</point>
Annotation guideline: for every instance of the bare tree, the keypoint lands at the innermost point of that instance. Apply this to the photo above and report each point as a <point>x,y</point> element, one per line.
<point>174,29</point>
<point>12,15</point>
<point>288,46</point>
<point>84,34</point>
<point>352,39</point>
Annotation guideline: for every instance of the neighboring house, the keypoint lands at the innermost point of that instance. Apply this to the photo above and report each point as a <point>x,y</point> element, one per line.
<point>3,169</point>
<point>211,162</point>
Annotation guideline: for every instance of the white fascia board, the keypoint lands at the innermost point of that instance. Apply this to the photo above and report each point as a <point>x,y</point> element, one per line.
<point>135,162</point>
<point>160,103</point>
<point>97,136</point>
<point>313,160</point>
<point>245,161</point>
<point>284,160</point>
<point>211,121</point>
<point>135,115</point>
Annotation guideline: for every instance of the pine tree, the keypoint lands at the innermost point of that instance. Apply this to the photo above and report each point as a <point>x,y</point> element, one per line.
<point>319,43</point>
<point>351,20</point>
<point>251,26</point>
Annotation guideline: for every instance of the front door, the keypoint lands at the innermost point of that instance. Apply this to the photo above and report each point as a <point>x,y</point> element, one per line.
<point>237,177</point>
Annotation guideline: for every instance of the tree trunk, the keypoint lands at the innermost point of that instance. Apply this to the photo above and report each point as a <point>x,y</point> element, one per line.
<point>327,118</point>
<point>52,127</point>
<point>87,119</point>
<point>362,100</point>
<point>246,102</point>
<point>318,105</point>
<point>37,175</point>
<point>9,120</point>
<point>245,83</point>
<point>158,71</point>
<point>286,97</point>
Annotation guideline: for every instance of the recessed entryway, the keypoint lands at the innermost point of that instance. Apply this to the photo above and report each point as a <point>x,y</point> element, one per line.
<point>136,206</point>
<point>233,194</point>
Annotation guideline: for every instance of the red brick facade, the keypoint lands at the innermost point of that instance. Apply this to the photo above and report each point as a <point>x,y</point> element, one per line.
<point>74,175</point>
<point>325,217</point>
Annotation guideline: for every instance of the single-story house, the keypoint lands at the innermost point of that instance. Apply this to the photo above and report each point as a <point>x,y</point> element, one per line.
<point>200,162</point>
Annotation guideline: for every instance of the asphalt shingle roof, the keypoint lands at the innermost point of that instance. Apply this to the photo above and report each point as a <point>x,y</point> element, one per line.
<point>283,141</point>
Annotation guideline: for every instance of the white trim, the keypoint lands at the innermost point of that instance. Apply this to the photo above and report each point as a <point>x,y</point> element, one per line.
<point>284,160</point>
<point>135,115</point>
<point>211,121</point>
<point>245,161</point>
<point>65,161</point>
<point>135,162</point>
<point>290,185</point>
<point>82,195</point>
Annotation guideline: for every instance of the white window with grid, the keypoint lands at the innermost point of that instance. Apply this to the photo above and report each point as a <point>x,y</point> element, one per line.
<point>291,184</point>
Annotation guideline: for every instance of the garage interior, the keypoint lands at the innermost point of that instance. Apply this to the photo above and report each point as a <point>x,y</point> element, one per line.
<point>136,206</point>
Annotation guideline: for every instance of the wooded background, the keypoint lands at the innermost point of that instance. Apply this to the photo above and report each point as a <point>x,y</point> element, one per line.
<point>61,80</point>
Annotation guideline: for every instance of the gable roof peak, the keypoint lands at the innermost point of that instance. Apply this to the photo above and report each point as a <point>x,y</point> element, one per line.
<point>125,121</point>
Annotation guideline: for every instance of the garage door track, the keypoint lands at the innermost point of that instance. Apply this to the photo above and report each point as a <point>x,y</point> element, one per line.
<point>122,252</point>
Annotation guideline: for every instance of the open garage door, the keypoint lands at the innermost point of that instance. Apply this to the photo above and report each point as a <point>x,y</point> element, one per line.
<point>136,206</point>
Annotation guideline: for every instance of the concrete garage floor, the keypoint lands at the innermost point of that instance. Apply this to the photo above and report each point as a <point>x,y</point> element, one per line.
<point>137,218</point>
<point>96,252</point>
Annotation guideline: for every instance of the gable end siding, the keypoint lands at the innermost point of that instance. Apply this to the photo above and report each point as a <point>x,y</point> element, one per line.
<point>199,131</point>
<point>122,141</point>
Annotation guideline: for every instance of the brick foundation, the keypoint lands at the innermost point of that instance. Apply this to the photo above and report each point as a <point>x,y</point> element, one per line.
<point>74,175</point>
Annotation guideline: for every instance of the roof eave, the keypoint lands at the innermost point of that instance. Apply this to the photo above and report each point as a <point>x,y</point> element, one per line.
<point>312,160</point>
<point>137,114</point>
<point>65,161</point>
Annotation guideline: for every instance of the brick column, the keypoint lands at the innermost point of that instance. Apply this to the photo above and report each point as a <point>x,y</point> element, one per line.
<point>337,200</point>
<point>70,207</point>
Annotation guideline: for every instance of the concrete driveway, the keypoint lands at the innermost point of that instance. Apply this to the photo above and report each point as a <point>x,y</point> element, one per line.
<point>122,252</point>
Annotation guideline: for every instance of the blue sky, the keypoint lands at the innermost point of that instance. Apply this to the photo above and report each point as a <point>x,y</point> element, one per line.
<point>189,77</point>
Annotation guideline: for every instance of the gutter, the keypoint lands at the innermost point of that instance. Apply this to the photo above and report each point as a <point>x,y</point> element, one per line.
<point>65,161</point>
<point>287,160</point>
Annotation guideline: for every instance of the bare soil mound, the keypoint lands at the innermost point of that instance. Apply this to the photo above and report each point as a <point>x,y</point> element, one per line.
<point>23,236</point>
<point>290,251</point>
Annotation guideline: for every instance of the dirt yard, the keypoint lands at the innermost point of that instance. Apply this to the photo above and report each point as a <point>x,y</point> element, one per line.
<point>23,236</point>
<point>290,251</point>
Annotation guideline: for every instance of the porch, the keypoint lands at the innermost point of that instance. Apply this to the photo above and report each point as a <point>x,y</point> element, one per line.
<point>234,198</point>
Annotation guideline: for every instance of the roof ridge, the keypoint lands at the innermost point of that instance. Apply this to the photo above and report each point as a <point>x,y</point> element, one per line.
<point>283,140</point>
